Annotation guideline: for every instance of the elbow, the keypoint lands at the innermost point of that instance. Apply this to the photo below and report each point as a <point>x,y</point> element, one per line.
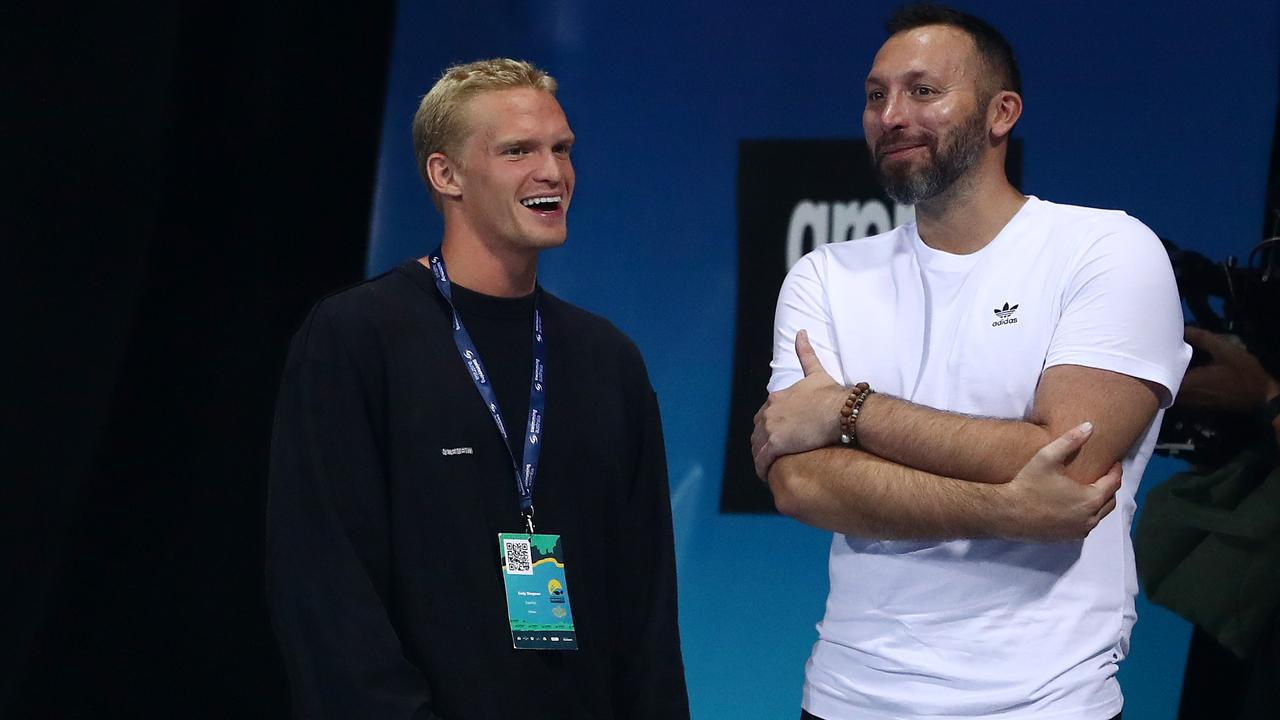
<point>786,486</point>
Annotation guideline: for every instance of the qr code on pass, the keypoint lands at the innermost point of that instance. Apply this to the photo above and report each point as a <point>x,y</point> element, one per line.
<point>518,561</point>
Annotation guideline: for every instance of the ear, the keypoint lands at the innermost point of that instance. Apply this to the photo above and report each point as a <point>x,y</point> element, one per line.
<point>1004,111</point>
<point>442,171</point>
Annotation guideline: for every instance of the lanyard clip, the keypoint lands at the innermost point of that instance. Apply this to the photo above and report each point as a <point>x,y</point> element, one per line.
<point>528,519</point>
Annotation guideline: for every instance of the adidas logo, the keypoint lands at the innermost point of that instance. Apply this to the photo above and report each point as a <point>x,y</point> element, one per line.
<point>1005,316</point>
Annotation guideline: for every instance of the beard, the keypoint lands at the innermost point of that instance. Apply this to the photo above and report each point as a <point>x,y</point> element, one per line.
<point>958,154</point>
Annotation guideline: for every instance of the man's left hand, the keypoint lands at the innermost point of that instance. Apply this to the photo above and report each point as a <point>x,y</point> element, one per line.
<point>805,416</point>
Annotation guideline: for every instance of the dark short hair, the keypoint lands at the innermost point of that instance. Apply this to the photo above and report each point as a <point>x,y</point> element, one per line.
<point>994,50</point>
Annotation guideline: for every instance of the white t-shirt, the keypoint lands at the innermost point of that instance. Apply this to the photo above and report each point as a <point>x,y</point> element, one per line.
<point>983,628</point>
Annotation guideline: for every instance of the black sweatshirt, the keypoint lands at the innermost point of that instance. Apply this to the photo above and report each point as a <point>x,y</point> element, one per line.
<point>382,556</point>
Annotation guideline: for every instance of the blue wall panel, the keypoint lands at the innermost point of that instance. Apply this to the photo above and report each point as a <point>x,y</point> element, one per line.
<point>1166,114</point>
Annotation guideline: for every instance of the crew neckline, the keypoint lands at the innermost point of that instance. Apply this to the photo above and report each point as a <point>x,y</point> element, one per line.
<point>941,260</point>
<point>471,302</point>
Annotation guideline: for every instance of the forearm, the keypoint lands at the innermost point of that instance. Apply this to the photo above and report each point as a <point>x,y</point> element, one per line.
<point>971,448</point>
<point>328,560</point>
<point>1118,406</point>
<point>340,649</point>
<point>857,493</point>
<point>649,673</point>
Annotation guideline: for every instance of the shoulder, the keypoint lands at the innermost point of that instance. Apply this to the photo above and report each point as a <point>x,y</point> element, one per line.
<point>350,320</point>
<point>1090,224</point>
<point>867,249</point>
<point>852,256</point>
<point>591,333</point>
<point>585,326</point>
<point>1076,238</point>
<point>356,300</point>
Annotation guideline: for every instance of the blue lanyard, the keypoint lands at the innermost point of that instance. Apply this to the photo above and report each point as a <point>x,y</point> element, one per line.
<point>537,390</point>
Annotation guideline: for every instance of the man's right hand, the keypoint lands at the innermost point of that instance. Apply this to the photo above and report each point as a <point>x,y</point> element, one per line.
<point>1043,504</point>
<point>1233,381</point>
<point>802,417</point>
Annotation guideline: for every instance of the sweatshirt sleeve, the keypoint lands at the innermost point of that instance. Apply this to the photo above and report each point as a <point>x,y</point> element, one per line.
<point>327,539</point>
<point>649,677</point>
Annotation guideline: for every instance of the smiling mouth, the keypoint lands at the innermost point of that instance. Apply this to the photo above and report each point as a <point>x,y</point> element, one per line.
<point>898,151</point>
<point>547,204</point>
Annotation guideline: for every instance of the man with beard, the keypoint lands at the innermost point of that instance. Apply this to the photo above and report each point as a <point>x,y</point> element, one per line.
<point>991,366</point>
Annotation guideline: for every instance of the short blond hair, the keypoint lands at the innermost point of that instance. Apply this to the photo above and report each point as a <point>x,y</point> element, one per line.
<point>440,123</point>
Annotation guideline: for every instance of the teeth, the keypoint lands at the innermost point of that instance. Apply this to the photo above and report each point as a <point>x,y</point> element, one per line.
<point>534,202</point>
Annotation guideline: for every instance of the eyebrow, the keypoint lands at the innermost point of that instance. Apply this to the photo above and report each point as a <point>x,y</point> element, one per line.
<point>909,76</point>
<point>519,140</point>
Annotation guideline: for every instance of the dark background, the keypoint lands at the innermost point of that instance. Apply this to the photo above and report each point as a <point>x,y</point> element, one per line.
<point>182,180</point>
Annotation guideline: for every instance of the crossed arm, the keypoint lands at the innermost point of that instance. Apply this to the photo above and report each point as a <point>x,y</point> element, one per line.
<point>927,474</point>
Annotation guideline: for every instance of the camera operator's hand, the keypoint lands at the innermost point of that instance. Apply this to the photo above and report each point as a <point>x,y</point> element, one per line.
<point>1233,381</point>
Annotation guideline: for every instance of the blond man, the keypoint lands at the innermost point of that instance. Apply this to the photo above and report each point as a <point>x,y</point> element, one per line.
<point>426,413</point>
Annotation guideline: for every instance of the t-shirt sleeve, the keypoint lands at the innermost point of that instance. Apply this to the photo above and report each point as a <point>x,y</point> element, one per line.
<point>1121,311</point>
<point>802,305</point>
<point>327,548</point>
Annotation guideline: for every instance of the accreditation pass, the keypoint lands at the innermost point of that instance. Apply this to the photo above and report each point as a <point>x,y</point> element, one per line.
<point>537,594</point>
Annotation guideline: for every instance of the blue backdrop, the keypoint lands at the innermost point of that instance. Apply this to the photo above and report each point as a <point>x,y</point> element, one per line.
<point>1164,113</point>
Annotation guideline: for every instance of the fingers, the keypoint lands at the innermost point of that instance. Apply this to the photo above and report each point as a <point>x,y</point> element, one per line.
<point>1105,511</point>
<point>758,432</point>
<point>1194,374</point>
<point>1197,337</point>
<point>808,357</point>
<point>1109,483</point>
<point>1106,488</point>
<point>763,460</point>
<point>1202,339</point>
<point>1065,445</point>
<point>761,454</point>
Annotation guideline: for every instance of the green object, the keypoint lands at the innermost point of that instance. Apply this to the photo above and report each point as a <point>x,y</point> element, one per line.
<point>538,607</point>
<point>1207,547</point>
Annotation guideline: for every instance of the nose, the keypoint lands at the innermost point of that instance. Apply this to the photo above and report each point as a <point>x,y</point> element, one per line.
<point>549,169</point>
<point>893,114</point>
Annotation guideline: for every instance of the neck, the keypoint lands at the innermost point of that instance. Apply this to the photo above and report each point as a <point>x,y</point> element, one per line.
<point>967,216</point>
<point>478,267</point>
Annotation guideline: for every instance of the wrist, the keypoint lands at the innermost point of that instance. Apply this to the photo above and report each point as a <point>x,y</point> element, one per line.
<point>999,519</point>
<point>850,411</point>
<point>832,408</point>
<point>866,427</point>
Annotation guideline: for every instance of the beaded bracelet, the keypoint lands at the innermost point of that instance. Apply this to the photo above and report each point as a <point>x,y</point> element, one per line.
<point>849,412</point>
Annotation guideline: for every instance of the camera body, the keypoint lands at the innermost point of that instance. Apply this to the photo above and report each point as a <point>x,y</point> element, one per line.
<point>1243,303</point>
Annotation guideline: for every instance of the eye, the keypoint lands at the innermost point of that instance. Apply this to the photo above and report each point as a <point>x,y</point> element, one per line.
<point>875,95</point>
<point>515,151</point>
<point>923,91</point>
<point>562,149</point>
